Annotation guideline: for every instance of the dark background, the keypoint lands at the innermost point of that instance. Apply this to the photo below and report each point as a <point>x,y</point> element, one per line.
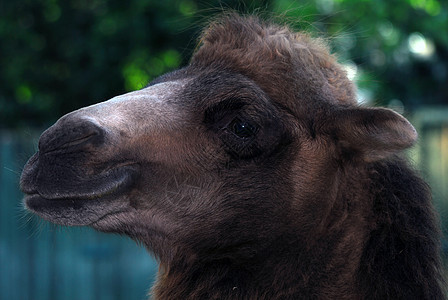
<point>59,55</point>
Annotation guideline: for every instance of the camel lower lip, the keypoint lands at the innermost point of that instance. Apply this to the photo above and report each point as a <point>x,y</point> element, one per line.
<point>73,212</point>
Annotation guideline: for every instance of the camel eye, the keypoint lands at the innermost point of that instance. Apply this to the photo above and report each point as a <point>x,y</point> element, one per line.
<point>242,129</point>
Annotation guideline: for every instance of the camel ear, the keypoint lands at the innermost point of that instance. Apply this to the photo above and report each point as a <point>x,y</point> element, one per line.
<point>372,133</point>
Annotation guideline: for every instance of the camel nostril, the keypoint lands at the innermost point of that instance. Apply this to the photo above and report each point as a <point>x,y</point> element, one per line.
<point>78,141</point>
<point>72,133</point>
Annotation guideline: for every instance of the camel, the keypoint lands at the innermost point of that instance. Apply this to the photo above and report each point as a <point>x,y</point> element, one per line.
<point>251,173</point>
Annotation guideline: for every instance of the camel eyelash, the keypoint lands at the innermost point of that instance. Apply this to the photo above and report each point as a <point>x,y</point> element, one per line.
<point>223,108</point>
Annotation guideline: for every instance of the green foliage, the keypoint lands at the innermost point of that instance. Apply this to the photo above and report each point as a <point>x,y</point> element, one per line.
<point>399,49</point>
<point>56,56</point>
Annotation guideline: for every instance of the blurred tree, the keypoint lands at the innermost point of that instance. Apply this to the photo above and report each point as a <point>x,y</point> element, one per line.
<point>399,49</point>
<point>56,56</point>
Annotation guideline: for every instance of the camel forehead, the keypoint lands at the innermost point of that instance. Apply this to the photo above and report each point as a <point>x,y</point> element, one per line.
<point>159,92</point>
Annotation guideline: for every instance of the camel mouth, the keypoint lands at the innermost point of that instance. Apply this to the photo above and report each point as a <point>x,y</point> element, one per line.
<point>83,201</point>
<point>104,184</point>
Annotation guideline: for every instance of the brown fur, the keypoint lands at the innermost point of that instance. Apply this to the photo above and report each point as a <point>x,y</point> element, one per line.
<point>250,174</point>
